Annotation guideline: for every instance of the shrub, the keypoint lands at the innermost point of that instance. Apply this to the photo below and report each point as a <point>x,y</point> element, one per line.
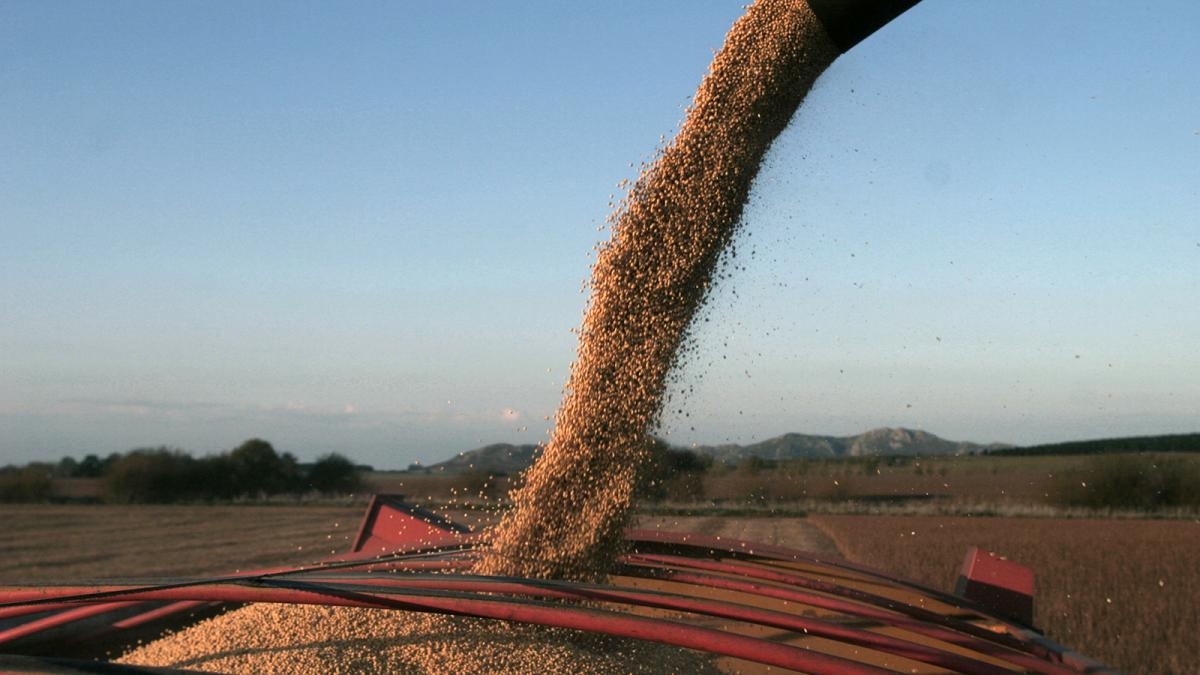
<point>1137,482</point>
<point>31,483</point>
<point>684,487</point>
<point>478,483</point>
<point>153,475</point>
<point>870,466</point>
<point>673,474</point>
<point>751,465</point>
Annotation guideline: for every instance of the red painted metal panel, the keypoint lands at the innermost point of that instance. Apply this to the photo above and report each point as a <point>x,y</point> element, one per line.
<point>392,524</point>
<point>737,547</point>
<point>59,619</point>
<point>859,597</point>
<point>1043,663</point>
<point>26,610</point>
<point>160,613</point>
<point>997,583</point>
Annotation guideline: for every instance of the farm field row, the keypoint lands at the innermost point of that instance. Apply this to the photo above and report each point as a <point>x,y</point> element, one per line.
<point>69,542</point>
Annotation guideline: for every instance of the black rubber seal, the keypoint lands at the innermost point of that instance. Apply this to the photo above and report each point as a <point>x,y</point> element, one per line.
<point>849,22</point>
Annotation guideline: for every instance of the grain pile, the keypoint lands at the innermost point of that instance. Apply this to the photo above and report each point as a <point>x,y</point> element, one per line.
<point>647,283</point>
<point>268,638</point>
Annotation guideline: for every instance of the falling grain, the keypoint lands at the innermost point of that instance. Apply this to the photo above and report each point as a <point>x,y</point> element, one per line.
<point>646,285</point>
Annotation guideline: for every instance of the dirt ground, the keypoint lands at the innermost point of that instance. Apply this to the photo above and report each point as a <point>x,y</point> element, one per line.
<point>796,533</point>
<point>72,542</point>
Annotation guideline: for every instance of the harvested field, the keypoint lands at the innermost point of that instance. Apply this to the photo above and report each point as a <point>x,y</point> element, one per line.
<point>797,533</point>
<point>1124,592</point>
<point>46,543</point>
<point>70,542</point>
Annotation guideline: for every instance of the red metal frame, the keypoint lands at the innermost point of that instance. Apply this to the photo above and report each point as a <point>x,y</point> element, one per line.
<point>997,583</point>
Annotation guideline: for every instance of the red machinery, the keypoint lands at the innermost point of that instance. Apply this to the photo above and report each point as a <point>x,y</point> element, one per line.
<point>744,602</point>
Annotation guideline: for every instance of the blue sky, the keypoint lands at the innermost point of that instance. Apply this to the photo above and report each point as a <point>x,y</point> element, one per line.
<point>365,228</point>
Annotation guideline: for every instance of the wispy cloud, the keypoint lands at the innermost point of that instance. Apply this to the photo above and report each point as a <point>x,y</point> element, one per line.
<point>356,414</point>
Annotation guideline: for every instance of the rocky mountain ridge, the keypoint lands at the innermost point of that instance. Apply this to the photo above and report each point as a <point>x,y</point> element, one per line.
<point>874,443</point>
<point>505,458</point>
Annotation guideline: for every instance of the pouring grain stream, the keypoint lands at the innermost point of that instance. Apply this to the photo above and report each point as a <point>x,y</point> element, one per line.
<point>646,285</point>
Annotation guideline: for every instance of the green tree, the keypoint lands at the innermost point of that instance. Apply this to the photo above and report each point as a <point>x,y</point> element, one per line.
<point>672,473</point>
<point>67,467</point>
<point>91,467</point>
<point>256,469</point>
<point>334,474</point>
<point>152,475</point>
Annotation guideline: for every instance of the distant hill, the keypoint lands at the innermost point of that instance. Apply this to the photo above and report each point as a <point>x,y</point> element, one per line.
<point>503,458</point>
<point>498,458</point>
<point>876,442</point>
<point>1169,443</point>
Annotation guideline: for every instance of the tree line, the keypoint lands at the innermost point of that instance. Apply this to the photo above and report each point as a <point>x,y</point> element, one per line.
<point>1182,443</point>
<point>164,475</point>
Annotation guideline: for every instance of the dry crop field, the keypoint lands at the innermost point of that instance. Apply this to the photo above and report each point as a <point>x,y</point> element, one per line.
<point>1126,592</point>
<point>65,542</point>
<point>967,480</point>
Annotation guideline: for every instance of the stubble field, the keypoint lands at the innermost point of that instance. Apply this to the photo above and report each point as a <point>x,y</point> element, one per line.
<point>66,542</point>
<point>1125,592</point>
